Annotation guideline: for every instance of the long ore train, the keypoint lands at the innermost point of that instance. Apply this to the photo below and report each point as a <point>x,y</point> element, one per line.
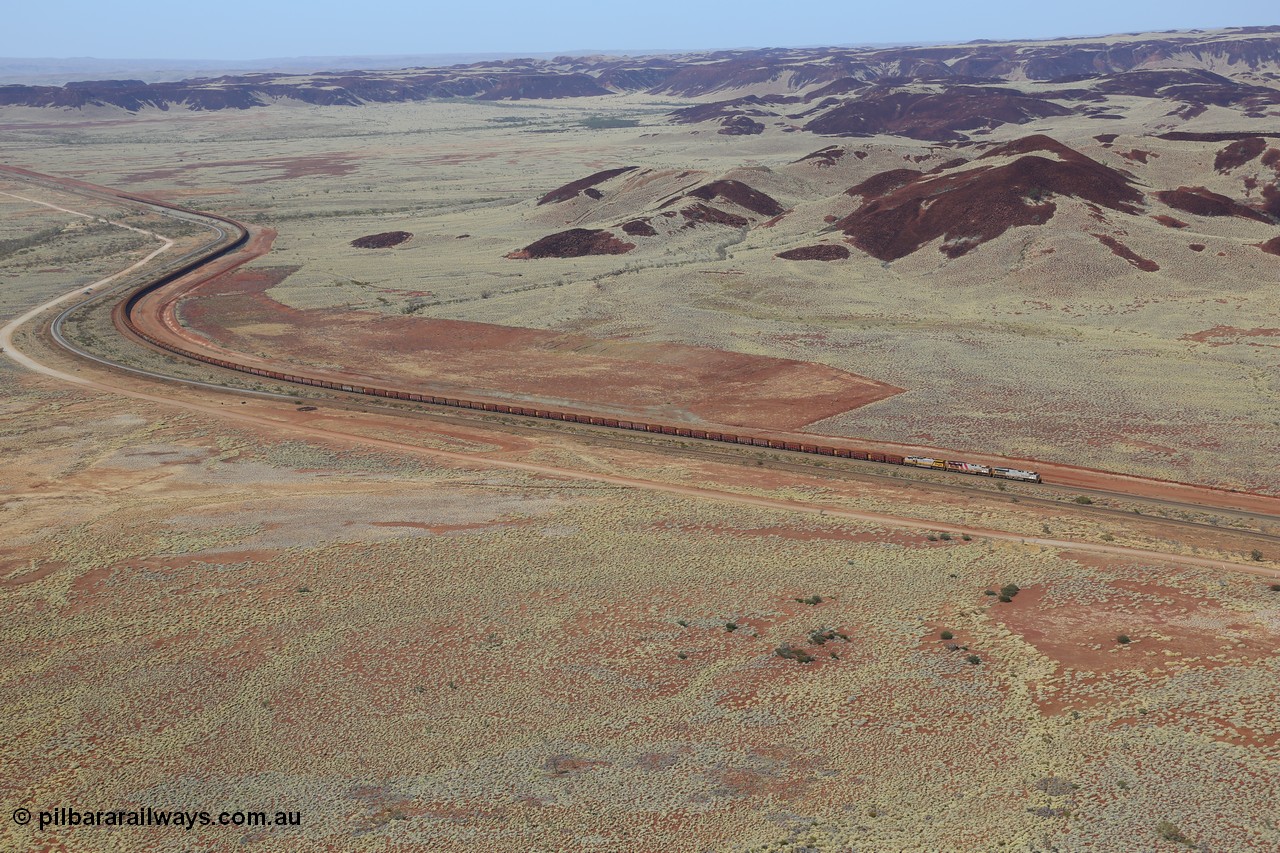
<point>124,315</point>
<point>595,420</point>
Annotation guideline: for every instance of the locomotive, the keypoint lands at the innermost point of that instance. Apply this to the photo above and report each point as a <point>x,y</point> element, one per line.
<point>972,468</point>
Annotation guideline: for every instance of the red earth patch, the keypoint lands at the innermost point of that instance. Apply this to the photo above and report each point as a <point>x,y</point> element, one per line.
<point>1220,336</point>
<point>656,381</point>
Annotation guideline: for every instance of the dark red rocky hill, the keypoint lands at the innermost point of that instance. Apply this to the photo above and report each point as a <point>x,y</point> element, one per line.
<point>939,116</point>
<point>740,194</point>
<point>821,252</point>
<point>575,188</point>
<point>574,243</point>
<point>1202,202</point>
<point>971,206</point>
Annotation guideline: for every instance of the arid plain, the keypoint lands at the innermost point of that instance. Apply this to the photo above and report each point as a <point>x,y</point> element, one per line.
<point>449,631</point>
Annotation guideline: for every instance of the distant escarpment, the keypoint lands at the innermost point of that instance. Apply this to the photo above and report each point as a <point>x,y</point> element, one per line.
<point>939,92</point>
<point>936,116</point>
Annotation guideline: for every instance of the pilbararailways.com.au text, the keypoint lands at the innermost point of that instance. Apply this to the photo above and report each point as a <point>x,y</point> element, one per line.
<point>69,816</point>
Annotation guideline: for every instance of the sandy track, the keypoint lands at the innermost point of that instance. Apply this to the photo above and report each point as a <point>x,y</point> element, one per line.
<point>297,423</point>
<point>6,333</point>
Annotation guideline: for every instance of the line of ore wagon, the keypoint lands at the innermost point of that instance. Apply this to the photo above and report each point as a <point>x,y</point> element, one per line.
<point>614,423</point>
<point>126,313</point>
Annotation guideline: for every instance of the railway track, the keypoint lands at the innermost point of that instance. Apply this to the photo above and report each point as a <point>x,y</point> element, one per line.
<point>693,443</point>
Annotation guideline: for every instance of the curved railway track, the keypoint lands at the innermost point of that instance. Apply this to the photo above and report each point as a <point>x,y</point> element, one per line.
<point>232,236</point>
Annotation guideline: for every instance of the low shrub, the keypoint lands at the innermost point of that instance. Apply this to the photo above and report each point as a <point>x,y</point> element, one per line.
<point>1169,832</point>
<point>791,653</point>
<point>818,636</point>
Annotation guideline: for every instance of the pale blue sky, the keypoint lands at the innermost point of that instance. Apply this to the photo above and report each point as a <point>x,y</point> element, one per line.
<point>280,28</point>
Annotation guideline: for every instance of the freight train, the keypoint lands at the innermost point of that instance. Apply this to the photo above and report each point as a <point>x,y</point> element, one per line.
<point>596,420</point>
<point>124,316</point>
<point>972,468</point>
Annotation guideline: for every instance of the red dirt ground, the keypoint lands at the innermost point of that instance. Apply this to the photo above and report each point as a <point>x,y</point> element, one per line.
<point>506,363</point>
<point>574,243</point>
<point>823,252</point>
<point>1169,221</point>
<point>385,240</point>
<point>1272,246</point>
<point>1220,336</point>
<point>326,165</point>
<point>1081,634</point>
